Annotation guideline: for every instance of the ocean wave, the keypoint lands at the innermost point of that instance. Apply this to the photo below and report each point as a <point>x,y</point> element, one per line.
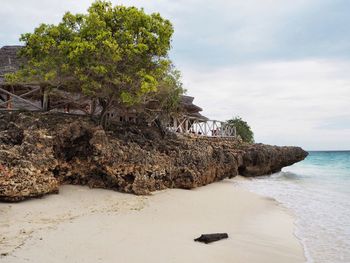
<point>320,200</point>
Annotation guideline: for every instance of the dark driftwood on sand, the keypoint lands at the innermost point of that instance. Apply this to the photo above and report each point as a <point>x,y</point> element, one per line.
<point>208,238</point>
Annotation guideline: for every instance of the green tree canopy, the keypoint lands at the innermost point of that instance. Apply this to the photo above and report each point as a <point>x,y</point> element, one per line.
<point>116,54</point>
<point>169,90</point>
<point>242,129</point>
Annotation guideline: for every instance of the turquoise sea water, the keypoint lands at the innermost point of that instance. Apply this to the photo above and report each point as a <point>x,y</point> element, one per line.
<point>317,191</point>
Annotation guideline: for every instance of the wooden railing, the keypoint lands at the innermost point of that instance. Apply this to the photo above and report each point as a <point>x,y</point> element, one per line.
<point>208,128</point>
<point>9,97</point>
<point>80,104</point>
<point>36,98</point>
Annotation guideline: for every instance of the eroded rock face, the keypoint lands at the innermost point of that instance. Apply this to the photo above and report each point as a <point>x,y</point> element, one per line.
<point>38,152</point>
<point>25,161</point>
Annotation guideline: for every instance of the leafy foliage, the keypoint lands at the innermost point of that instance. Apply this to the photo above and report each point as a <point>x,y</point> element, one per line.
<point>116,54</point>
<point>169,90</point>
<point>242,129</point>
<point>164,102</point>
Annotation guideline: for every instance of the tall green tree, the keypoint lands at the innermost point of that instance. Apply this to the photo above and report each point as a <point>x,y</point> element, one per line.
<point>242,128</point>
<point>115,54</point>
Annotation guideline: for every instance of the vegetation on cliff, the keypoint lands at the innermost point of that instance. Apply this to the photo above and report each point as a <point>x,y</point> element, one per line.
<point>118,56</point>
<point>115,54</point>
<point>40,151</point>
<point>242,128</point>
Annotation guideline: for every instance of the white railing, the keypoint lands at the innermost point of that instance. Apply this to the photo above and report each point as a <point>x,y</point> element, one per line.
<point>208,128</point>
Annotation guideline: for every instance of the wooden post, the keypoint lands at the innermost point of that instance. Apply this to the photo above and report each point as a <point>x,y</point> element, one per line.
<point>66,108</point>
<point>45,99</point>
<point>186,125</point>
<point>10,95</point>
<point>213,131</point>
<point>175,124</point>
<point>9,100</point>
<point>92,107</point>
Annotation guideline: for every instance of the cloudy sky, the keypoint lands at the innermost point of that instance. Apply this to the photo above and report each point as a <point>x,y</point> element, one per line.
<point>282,65</point>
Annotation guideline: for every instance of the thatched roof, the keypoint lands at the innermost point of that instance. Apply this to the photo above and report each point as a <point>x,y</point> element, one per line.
<point>191,109</point>
<point>197,116</point>
<point>9,61</point>
<point>187,103</point>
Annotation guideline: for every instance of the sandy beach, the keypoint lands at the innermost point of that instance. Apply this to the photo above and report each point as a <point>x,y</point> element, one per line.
<point>95,225</point>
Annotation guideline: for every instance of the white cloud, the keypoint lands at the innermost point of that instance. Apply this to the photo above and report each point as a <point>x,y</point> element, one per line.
<point>241,22</point>
<point>275,63</point>
<point>285,102</point>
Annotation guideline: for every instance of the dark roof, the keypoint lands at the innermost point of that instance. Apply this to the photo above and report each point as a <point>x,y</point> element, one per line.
<point>187,99</point>
<point>187,103</point>
<point>197,116</point>
<point>9,61</point>
<point>191,109</point>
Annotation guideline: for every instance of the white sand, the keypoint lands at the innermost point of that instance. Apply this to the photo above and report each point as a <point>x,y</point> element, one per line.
<point>94,225</point>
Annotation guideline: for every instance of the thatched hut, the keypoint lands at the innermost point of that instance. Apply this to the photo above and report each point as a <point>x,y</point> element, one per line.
<point>31,97</point>
<point>9,61</point>
<point>12,97</point>
<point>191,110</point>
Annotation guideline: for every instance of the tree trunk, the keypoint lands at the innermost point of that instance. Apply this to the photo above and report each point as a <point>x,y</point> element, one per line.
<point>105,104</point>
<point>160,127</point>
<point>103,112</point>
<point>92,108</point>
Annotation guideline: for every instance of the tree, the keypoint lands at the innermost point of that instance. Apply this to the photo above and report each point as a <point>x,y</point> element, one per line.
<point>115,54</point>
<point>242,129</point>
<point>169,90</point>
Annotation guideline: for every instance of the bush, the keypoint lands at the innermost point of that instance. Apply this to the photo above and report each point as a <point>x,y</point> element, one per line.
<point>242,128</point>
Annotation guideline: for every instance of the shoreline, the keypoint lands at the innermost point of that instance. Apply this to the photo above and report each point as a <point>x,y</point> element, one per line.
<point>296,222</point>
<point>96,225</point>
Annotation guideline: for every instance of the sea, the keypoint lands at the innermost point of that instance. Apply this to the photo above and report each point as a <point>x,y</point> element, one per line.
<point>317,192</point>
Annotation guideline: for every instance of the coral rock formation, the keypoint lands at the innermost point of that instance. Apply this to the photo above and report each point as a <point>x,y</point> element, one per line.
<point>39,151</point>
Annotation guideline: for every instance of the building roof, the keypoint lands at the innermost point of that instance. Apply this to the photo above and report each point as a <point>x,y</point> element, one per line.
<point>9,61</point>
<point>197,116</point>
<point>191,109</point>
<point>187,103</point>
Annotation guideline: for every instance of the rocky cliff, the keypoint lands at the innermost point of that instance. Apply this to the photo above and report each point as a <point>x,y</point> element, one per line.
<point>39,151</point>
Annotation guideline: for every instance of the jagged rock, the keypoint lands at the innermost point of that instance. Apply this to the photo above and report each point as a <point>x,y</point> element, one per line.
<point>11,134</point>
<point>20,183</point>
<point>38,152</point>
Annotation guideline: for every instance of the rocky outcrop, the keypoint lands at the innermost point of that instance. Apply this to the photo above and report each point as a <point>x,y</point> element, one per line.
<point>39,152</point>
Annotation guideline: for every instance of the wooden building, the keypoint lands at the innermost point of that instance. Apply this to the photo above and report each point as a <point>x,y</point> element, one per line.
<point>191,110</point>
<point>9,63</point>
<point>33,97</point>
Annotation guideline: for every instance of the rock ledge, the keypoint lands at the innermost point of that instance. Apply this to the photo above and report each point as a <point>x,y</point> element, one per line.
<point>39,152</point>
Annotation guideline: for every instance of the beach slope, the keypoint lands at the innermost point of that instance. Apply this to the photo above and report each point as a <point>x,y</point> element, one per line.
<point>95,225</point>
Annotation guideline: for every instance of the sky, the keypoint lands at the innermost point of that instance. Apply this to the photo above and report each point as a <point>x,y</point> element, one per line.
<point>283,66</point>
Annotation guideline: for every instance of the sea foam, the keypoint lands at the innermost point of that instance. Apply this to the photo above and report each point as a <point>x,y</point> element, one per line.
<point>317,191</point>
